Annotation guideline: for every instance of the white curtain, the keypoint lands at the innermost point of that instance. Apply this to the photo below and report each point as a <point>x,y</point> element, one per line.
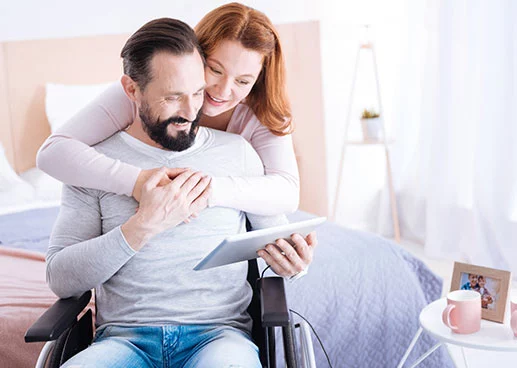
<point>456,154</point>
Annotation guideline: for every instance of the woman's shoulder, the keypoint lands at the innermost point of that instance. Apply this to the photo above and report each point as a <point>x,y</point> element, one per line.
<point>245,123</point>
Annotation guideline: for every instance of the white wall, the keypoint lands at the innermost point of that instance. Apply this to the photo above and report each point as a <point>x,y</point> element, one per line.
<point>34,19</point>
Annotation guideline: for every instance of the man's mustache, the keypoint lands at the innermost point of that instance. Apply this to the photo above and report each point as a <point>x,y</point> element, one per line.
<point>176,120</point>
<point>179,120</point>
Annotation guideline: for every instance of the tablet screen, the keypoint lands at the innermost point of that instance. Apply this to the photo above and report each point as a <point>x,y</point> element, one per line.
<point>244,246</point>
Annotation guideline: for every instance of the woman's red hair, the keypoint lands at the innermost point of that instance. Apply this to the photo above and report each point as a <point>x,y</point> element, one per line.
<point>237,22</point>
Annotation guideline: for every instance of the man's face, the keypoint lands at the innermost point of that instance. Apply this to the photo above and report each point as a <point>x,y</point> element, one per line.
<point>170,104</point>
<point>473,280</point>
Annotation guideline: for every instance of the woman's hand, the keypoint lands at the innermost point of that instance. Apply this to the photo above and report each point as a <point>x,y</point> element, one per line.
<point>289,260</point>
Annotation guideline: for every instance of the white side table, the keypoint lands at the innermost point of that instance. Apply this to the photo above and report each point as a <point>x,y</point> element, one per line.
<point>492,336</point>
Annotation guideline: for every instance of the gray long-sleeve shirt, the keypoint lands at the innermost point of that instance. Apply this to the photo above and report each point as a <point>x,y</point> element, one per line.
<point>155,285</point>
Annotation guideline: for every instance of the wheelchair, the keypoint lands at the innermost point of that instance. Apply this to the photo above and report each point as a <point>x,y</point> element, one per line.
<point>66,334</point>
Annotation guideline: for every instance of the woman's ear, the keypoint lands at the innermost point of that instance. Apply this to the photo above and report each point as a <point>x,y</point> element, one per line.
<point>130,87</point>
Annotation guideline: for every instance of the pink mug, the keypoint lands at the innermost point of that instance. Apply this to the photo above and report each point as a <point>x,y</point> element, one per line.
<point>463,312</point>
<point>513,321</point>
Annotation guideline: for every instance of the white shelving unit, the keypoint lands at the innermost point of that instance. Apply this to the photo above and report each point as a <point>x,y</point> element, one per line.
<point>368,47</point>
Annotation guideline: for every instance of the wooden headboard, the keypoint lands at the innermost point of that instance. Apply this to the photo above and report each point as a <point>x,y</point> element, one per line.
<point>26,66</point>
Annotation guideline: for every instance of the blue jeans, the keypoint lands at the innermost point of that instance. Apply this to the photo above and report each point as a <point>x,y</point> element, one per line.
<point>169,346</point>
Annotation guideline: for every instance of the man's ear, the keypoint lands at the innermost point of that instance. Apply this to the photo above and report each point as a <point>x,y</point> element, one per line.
<point>130,87</point>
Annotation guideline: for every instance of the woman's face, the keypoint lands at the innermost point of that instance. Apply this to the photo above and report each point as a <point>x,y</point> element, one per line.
<point>230,74</point>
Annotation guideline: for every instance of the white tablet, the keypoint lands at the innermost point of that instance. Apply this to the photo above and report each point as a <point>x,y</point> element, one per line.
<point>244,246</point>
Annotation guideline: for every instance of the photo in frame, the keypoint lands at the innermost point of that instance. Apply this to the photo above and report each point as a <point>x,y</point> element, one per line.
<point>491,283</point>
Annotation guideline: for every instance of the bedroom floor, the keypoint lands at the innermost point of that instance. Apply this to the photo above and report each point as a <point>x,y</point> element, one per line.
<point>475,358</point>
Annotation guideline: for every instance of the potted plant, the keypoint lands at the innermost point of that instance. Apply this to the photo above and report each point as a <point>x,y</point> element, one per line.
<point>371,124</point>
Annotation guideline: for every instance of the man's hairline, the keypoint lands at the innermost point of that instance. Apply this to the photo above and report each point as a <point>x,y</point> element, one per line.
<point>164,51</point>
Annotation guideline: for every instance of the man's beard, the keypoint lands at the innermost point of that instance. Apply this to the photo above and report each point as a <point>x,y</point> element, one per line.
<point>157,130</point>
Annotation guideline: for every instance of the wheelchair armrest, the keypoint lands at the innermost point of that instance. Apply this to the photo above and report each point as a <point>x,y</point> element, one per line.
<point>273,303</point>
<point>57,318</point>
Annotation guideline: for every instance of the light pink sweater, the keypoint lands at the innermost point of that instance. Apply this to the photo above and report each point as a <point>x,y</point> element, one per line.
<point>67,156</point>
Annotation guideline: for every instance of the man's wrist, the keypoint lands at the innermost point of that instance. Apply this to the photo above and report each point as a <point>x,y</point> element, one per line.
<point>136,232</point>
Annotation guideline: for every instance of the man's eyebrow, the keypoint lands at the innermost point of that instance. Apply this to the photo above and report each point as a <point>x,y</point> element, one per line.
<point>176,93</point>
<point>172,93</point>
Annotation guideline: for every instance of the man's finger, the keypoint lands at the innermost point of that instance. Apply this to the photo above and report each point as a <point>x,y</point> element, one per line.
<point>280,258</point>
<point>287,249</point>
<point>302,247</point>
<point>179,180</point>
<point>164,180</point>
<point>173,172</point>
<point>290,253</point>
<point>279,270</point>
<point>312,239</point>
<point>153,181</point>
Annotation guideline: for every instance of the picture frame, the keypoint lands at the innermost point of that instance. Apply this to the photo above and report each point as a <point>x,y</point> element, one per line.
<point>491,283</point>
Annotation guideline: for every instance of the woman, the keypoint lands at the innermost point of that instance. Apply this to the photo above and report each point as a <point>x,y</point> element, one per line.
<point>245,94</point>
<point>486,297</point>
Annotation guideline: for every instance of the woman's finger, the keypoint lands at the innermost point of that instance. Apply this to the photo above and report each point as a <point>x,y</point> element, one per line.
<point>199,188</point>
<point>201,202</point>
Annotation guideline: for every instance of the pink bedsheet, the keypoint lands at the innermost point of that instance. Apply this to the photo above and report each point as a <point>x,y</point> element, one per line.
<point>24,296</point>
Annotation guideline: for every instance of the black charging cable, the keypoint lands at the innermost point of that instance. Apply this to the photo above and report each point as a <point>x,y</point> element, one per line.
<point>264,271</point>
<point>313,330</point>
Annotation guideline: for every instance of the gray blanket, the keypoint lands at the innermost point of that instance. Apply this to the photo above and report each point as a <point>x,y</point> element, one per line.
<point>28,230</point>
<point>363,295</point>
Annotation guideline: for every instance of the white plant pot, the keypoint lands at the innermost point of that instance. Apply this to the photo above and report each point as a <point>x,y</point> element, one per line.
<point>372,129</point>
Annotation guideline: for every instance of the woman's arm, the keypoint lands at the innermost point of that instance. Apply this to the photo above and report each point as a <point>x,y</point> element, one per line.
<point>275,193</point>
<point>67,156</point>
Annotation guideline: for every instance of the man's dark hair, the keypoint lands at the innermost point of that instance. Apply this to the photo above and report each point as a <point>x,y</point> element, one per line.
<point>164,34</point>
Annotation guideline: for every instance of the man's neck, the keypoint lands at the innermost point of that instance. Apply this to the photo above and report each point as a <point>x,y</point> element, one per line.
<point>136,130</point>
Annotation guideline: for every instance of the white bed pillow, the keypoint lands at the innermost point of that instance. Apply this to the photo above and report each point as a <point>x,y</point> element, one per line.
<point>63,101</point>
<point>46,187</point>
<point>13,190</point>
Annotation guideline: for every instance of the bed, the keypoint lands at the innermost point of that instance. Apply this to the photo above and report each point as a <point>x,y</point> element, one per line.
<point>362,294</point>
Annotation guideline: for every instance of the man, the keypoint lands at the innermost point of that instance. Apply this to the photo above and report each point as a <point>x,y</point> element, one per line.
<point>152,308</point>
<point>472,284</point>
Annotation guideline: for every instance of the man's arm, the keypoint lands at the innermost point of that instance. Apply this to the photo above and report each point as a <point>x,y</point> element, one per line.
<point>79,257</point>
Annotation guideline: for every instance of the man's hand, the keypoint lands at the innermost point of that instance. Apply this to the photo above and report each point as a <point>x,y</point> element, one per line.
<point>289,260</point>
<point>168,175</point>
<point>165,206</point>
